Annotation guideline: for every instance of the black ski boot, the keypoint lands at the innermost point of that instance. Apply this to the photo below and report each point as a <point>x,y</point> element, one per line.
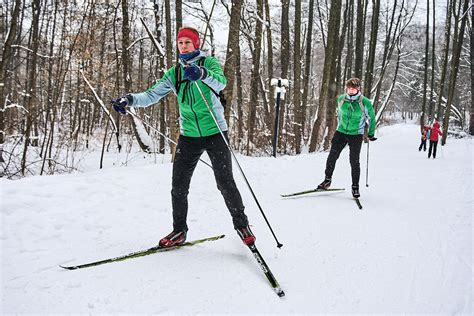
<point>325,184</point>
<point>355,191</point>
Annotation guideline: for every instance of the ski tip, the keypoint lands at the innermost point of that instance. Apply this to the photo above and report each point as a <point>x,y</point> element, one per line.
<point>279,245</point>
<point>69,268</point>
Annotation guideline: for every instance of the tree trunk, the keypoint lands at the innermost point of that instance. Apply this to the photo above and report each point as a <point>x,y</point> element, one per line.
<point>360,38</point>
<point>307,69</point>
<point>299,117</point>
<point>179,14</point>
<point>369,72</point>
<point>255,76</point>
<point>233,41</point>
<point>330,56</point>
<point>394,32</point>
<point>269,61</point>
<point>457,47</point>
<point>161,64</point>
<point>471,53</point>
<point>433,57</point>
<point>444,67</point>
<point>240,98</point>
<point>127,70</point>
<point>331,117</point>
<point>284,58</point>
<point>172,102</point>
<point>31,98</point>
<point>348,30</point>
<point>425,73</point>
<point>4,63</point>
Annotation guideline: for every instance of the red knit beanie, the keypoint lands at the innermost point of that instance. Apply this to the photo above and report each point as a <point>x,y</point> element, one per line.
<point>191,34</point>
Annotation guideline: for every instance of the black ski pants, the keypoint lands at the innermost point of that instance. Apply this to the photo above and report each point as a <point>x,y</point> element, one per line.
<point>188,152</point>
<point>432,149</point>
<point>339,141</point>
<point>422,145</point>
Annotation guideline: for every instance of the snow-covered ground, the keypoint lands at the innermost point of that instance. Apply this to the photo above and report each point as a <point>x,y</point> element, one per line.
<point>408,251</point>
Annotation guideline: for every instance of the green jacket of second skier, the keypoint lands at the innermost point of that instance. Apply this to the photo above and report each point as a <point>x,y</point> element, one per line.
<point>195,120</point>
<point>352,114</point>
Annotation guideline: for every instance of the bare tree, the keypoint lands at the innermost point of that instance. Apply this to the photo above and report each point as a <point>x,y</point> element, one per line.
<point>233,41</point>
<point>457,47</point>
<point>172,105</point>
<point>444,67</point>
<point>425,74</point>
<point>330,55</point>
<point>392,36</point>
<point>360,37</point>
<point>471,53</point>
<point>307,66</point>
<point>269,63</point>
<point>433,57</point>
<point>179,14</point>
<point>31,96</point>
<point>369,72</point>
<point>284,58</point>
<point>161,66</point>
<point>4,62</point>
<point>255,76</point>
<point>299,115</point>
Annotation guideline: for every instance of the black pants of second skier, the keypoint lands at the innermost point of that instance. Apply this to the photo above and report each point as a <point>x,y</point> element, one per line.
<point>339,141</point>
<point>432,149</point>
<point>422,145</point>
<point>188,152</point>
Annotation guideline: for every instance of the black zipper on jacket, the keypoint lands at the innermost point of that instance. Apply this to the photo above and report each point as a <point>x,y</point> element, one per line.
<point>349,116</point>
<point>191,99</point>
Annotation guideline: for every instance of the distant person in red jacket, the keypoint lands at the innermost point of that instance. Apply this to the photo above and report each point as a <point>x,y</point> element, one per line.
<point>424,136</point>
<point>435,132</point>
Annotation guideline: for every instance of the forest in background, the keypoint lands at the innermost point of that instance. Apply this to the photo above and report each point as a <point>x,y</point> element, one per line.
<point>63,61</point>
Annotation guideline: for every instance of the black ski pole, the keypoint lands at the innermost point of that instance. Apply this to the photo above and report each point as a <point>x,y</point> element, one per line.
<point>161,134</point>
<point>279,245</point>
<point>367,166</point>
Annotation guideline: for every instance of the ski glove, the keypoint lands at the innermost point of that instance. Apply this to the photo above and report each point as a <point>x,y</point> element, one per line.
<point>193,73</point>
<point>120,103</point>
<point>372,138</point>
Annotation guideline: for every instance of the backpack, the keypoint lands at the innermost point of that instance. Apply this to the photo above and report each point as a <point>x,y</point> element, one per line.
<point>177,75</point>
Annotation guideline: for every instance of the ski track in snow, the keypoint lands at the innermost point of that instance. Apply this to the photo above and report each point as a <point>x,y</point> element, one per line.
<point>408,251</point>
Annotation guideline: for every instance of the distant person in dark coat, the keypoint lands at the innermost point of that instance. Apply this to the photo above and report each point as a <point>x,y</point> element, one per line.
<point>424,136</point>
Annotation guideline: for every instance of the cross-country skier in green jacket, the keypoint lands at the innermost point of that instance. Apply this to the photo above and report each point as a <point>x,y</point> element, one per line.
<point>198,131</point>
<point>353,111</point>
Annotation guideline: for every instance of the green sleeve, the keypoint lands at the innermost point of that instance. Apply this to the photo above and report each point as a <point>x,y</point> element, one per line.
<point>371,116</point>
<point>215,75</point>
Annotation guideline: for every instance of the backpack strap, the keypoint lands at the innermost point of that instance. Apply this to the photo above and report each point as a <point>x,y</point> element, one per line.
<point>178,82</point>
<point>361,103</point>
<point>177,76</point>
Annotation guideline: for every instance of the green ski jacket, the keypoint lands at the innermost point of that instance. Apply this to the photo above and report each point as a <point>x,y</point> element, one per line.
<point>195,120</point>
<point>352,115</point>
